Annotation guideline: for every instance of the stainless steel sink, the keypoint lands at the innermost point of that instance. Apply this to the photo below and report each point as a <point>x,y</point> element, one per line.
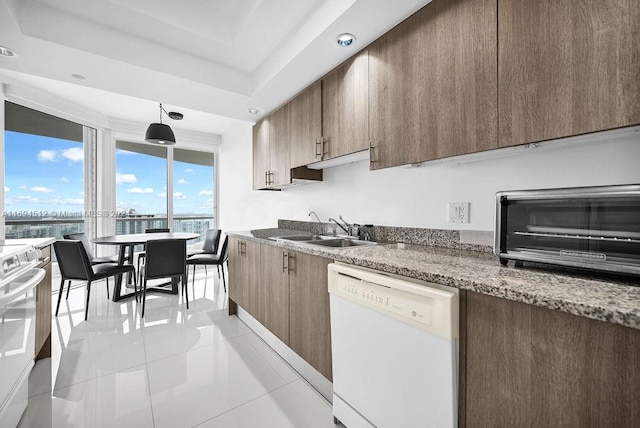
<point>341,242</point>
<point>300,238</point>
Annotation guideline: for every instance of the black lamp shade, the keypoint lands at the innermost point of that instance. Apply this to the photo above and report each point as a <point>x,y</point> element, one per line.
<point>160,133</point>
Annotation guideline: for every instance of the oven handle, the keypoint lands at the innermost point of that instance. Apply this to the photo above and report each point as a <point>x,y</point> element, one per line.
<point>31,279</point>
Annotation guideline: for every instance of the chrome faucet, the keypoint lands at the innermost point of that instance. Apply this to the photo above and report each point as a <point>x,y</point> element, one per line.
<point>345,227</point>
<point>316,215</point>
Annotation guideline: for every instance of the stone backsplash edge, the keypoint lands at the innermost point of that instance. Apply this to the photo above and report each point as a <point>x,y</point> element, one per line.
<point>409,235</point>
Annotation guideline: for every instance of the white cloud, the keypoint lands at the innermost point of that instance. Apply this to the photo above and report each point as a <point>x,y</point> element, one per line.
<point>74,154</point>
<point>140,190</point>
<point>64,179</point>
<point>205,193</point>
<point>179,195</point>
<point>47,156</point>
<point>41,189</point>
<point>183,181</point>
<point>6,189</point>
<point>125,178</point>
<point>162,194</point>
<point>189,171</point>
<point>23,187</point>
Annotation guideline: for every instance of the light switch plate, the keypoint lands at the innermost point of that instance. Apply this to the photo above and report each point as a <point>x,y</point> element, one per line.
<point>458,212</point>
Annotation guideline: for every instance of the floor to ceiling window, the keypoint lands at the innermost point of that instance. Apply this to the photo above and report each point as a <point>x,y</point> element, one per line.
<point>193,191</point>
<point>141,187</point>
<point>45,174</point>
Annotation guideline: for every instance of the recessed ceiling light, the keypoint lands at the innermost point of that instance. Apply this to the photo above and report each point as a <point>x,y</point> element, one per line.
<point>253,111</point>
<point>7,52</point>
<point>345,39</point>
<point>78,77</point>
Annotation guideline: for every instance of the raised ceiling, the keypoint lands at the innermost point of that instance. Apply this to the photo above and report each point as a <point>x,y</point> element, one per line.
<point>217,57</point>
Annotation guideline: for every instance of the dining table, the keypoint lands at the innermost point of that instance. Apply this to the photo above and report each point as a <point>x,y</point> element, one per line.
<point>126,243</point>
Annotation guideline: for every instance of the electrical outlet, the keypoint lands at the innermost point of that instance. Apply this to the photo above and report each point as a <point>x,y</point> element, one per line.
<point>458,212</point>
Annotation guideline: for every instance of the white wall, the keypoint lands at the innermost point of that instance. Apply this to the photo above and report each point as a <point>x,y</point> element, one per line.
<point>416,197</point>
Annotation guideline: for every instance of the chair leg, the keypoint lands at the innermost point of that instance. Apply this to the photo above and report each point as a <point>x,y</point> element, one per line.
<point>218,266</point>
<point>60,295</point>
<point>205,271</point>
<point>144,296</point>
<point>186,290</point>
<point>107,279</point>
<point>68,288</point>
<point>194,276</point>
<point>224,281</point>
<point>86,309</point>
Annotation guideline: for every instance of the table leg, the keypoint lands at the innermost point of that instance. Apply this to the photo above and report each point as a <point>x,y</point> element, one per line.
<point>118,279</point>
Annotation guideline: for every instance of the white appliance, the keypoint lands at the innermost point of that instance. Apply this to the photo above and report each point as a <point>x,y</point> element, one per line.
<point>394,347</point>
<point>18,279</point>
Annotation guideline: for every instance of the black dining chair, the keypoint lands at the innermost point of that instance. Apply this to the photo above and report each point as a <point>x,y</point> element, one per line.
<point>95,260</point>
<point>166,258</point>
<point>142,254</point>
<point>212,260</point>
<point>75,264</point>
<point>209,246</point>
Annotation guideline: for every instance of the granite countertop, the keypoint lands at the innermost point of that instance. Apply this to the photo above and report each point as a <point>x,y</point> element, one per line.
<point>36,242</point>
<point>601,299</point>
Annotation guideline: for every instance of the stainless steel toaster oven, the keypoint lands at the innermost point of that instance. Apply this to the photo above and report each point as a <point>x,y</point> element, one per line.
<point>596,228</point>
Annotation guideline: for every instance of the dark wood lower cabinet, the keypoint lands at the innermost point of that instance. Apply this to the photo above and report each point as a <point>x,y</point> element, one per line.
<point>286,291</point>
<point>274,290</point>
<point>528,366</point>
<point>309,321</point>
<point>43,308</point>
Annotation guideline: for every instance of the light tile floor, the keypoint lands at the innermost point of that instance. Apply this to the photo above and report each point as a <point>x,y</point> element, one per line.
<point>177,368</point>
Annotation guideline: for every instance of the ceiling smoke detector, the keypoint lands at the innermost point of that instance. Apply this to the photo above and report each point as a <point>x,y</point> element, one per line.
<point>7,52</point>
<point>345,39</point>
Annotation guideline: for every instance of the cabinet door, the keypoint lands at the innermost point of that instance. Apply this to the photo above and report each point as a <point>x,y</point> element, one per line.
<point>310,326</point>
<point>273,298</point>
<point>306,126</point>
<point>261,133</point>
<point>567,67</point>
<point>534,367</point>
<point>244,274</point>
<point>345,108</point>
<point>279,158</point>
<point>43,308</point>
<point>433,84</point>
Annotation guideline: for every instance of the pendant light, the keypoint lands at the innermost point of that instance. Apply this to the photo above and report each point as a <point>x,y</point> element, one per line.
<point>159,133</point>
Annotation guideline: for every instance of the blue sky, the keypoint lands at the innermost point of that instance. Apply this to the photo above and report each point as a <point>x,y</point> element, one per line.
<point>46,174</point>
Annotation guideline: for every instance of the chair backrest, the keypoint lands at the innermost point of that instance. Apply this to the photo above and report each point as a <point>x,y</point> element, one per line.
<point>158,230</point>
<point>165,258</point>
<point>224,254</point>
<point>73,260</point>
<point>211,241</point>
<point>85,241</point>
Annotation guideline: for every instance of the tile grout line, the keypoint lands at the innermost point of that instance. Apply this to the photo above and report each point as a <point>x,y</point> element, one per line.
<point>247,402</point>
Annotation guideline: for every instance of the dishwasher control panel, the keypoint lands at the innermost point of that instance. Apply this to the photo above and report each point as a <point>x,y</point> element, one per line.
<point>424,305</point>
<point>411,306</point>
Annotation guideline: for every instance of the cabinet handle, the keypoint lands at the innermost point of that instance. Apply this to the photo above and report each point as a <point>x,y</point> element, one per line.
<point>285,262</point>
<point>318,143</point>
<point>266,178</point>
<point>243,247</point>
<point>239,252</point>
<point>324,150</point>
<point>371,157</point>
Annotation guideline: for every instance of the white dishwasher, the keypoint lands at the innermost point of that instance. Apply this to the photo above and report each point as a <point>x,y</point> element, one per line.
<point>394,348</point>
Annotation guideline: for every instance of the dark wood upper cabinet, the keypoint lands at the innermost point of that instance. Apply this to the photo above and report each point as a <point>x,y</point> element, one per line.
<point>433,84</point>
<point>345,108</point>
<point>279,137</point>
<point>567,67</point>
<point>261,133</point>
<point>306,126</point>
